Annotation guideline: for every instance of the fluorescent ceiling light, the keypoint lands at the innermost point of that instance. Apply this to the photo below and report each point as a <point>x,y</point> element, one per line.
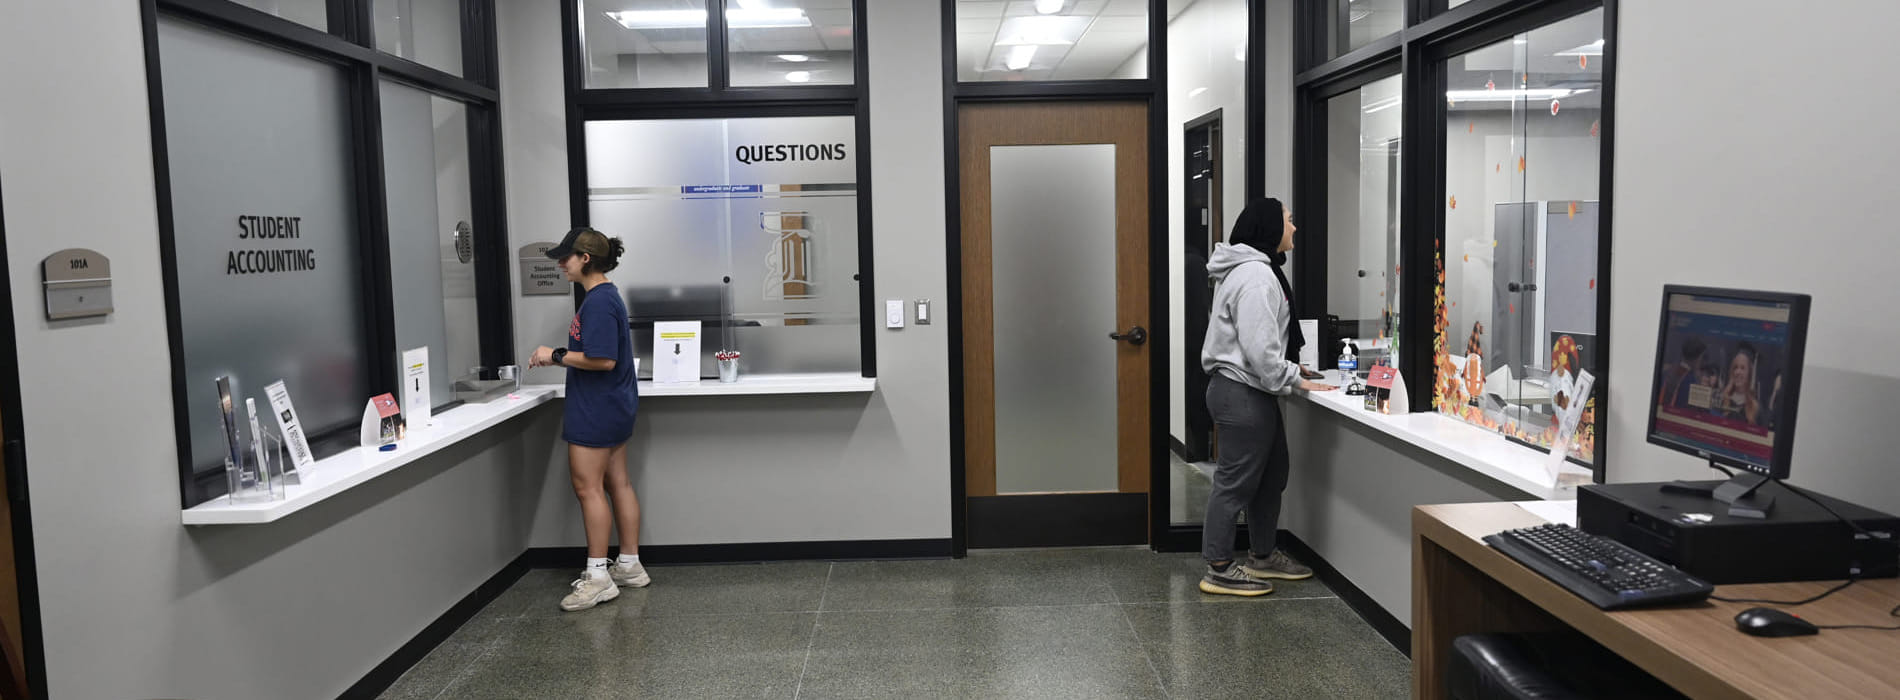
<point>1510,95</point>
<point>1019,57</point>
<point>1041,31</point>
<point>754,4</point>
<point>794,57</point>
<point>1196,92</point>
<point>1383,105</point>
<point>1594,48</point>
<point>1048,7</point>
<point>741,18</point>
<point>798,76</point>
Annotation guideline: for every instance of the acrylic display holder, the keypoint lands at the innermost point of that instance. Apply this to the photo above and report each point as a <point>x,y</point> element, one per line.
<point>261,477</point>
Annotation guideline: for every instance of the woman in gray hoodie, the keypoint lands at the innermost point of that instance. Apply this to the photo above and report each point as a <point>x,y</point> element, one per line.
<point>1252,337</point>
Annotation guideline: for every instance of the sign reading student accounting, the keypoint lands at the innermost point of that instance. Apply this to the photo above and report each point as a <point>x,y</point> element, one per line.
<point>261,261</point>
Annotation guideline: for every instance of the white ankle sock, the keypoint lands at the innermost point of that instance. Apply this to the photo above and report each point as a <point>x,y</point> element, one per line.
<point>597,567</point>
<point>626,559</point>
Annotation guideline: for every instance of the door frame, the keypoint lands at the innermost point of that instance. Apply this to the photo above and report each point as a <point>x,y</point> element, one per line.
<point>1153,92</point>
<point>1198,447</point>
<point>24,570</point>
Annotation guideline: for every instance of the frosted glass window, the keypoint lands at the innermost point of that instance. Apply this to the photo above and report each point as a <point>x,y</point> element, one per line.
<point>428,32</point>
<point>431,254</point>
<point>1052,243</point>
<point>265,225</point>
<point>644,43</point>
<point>747,225</point>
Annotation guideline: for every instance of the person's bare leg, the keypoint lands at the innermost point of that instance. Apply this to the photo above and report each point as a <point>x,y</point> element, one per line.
<point>587,466</point>
<point>626,503</point>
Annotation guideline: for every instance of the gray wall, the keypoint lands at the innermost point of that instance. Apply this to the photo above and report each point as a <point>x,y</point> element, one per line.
<point>135,604</point>
<point>767,469</point>
<point>1714,179</point>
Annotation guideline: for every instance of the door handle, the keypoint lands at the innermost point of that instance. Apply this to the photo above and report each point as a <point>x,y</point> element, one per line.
<point>1135,336</point>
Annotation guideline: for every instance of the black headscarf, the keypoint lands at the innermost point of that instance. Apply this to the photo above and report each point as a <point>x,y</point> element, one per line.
<point>1261,226</point>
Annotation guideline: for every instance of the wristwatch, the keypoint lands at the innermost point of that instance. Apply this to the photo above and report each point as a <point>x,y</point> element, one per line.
<point>558,355</point>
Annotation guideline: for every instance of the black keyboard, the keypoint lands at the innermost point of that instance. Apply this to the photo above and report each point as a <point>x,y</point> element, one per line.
<point>1603,571</point>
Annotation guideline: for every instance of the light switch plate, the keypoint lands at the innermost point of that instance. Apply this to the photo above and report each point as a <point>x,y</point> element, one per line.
<point>894,313</point>
<point>923,312</point>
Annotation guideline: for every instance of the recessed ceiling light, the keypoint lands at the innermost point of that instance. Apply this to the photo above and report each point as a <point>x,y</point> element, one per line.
<point>1510,95</point>
<point>798,76</point>
<point>1041,31</point>
<point>1048,7</point>
<point>1196,92</point>
<point>794,57</point>
<point>1594,48</point>
<point>1020,56</point>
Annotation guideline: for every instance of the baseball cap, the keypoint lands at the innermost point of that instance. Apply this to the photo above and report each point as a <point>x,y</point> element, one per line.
<point>581,240</point>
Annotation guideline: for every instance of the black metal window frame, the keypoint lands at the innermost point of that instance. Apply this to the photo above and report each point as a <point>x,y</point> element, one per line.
<point>1419,52</point>
<point>350,45</point>
<point>1163,535</point>
<point>720,101</point>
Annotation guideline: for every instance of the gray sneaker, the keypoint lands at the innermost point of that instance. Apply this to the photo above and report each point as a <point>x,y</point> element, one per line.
<point>632,574</point>
<point>1233,581</point>
<point>1278,565</point>
<point>589,592</point>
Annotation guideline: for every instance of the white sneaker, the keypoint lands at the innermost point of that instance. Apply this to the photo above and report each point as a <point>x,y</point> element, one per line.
<point>588,592</point>
<point>632,574</point>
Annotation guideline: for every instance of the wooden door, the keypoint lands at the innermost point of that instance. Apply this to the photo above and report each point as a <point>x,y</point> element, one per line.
<point>12,646</point>
<point>1031,173</point>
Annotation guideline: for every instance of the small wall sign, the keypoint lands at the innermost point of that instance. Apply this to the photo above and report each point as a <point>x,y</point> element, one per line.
<point>78,284</point>
<point>539,275</point>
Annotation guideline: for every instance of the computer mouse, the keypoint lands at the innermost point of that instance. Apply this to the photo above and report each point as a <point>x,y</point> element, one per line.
<point>1769,622</point>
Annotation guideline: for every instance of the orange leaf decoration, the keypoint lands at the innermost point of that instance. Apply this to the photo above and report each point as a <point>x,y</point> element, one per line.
<point>1573,210</point>
<point>1471,127</point>
<point>1467,258</point>
<point>1513,308</point>
<point>1520,164</point>
<point>1583,61</point>
<point>1593,283</point>
<point>1454,201</point>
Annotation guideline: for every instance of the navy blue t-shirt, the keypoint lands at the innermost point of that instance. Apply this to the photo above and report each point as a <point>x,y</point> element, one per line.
<point>601,405</point>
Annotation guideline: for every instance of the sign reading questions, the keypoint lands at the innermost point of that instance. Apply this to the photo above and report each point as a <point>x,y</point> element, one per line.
<point>266,261</point>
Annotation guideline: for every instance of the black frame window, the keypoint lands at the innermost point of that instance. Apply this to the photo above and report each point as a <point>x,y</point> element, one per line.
<point>1433,34</point>
<point>719,100</point>
<point>349,46</point>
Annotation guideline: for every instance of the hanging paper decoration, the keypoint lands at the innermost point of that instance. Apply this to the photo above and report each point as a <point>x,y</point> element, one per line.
<point>1497,167</point>
<point>1467,257</point>
<point>1489,85</point>
<point>1595,127</point>
<point>1520,164</point>
<point>1454,201</point>
<point>1593,283</point>
<point>1573,210</point>
<point>1513,307</point>
<point>1583,61</point>
<point>1553,108</point>
<point>1471,127</point>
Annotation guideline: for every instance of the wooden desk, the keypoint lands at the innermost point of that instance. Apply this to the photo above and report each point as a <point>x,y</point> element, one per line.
<point>1461,586</point>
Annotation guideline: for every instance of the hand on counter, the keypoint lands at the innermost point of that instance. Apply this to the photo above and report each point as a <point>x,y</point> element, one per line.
<point>1309,385</point>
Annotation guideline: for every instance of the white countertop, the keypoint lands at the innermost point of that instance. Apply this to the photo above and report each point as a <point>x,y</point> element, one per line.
<point>1480,450</point>
<point>753,385</point>
<point>340,472</point>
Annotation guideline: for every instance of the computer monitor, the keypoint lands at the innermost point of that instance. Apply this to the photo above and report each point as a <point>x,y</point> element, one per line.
<point>1727,383</point>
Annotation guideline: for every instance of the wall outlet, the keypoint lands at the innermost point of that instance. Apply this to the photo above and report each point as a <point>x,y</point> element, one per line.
<point>894,313</point>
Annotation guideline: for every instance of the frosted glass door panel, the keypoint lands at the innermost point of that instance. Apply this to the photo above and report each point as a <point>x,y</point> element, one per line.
<point>1052,243</point>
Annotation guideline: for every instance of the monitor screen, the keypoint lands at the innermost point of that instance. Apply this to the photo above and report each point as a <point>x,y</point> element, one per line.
<point>1727,375</point>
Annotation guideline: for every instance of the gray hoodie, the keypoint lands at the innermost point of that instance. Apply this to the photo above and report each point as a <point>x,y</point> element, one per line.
<point>1246,332</point>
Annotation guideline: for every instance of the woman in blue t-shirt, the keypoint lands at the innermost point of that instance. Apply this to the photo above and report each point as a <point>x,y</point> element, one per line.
<point>601,401</point>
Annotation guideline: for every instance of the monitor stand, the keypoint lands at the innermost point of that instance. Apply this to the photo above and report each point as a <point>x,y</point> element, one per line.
<point>1739,492</point>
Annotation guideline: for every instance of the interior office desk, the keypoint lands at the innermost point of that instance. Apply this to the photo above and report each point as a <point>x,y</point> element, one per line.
<point>1462,586</point>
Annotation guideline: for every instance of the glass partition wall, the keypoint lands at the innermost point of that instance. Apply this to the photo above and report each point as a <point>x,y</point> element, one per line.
<point>1491,147</point>
<point>1521,216</point>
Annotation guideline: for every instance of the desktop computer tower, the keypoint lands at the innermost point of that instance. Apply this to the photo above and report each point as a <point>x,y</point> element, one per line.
<point>1798,541</point>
